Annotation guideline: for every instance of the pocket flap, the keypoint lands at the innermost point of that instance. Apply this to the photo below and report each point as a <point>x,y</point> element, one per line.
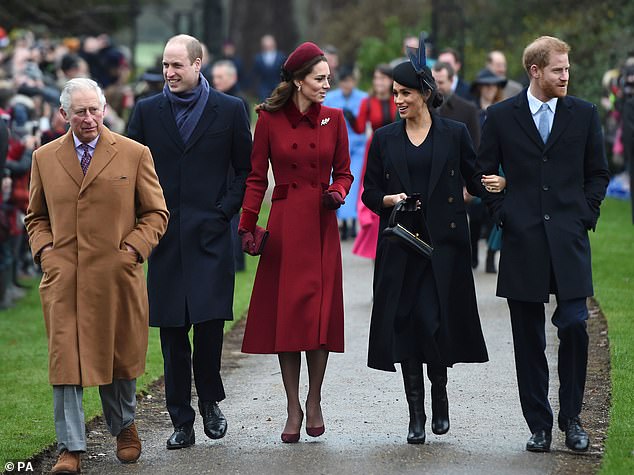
<point>280,192</point>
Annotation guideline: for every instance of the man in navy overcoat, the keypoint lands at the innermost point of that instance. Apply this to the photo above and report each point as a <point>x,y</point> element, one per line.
<point>195,134</point>
<point>550,147</point>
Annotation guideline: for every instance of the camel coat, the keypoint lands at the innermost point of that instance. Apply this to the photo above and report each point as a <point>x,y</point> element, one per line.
<point>93,290</point>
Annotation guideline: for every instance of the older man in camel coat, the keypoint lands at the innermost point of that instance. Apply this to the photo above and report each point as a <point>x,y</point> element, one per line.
<point>96,211</point>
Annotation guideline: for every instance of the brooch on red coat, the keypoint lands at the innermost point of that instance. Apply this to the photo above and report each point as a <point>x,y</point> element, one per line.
<point>325,121</point>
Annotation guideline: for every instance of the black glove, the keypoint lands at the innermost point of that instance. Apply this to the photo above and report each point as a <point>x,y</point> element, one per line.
<point>347,113</point>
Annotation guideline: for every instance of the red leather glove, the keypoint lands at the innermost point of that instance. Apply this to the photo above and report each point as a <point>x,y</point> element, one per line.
<point>331,200</point>
<point>247,241</point>
<point>253,242</point>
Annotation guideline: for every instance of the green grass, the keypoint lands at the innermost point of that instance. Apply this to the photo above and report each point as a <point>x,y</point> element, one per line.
<point>613,272</point>
<point>26,398</point>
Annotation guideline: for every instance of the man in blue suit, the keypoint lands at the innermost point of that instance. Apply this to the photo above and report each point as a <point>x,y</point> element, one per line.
<point>266,67</point>
<point>196,134</point>
<point>550,147</point>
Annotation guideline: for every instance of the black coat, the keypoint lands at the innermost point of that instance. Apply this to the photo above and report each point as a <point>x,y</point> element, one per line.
<point>456,108</point>
<point>460,337</point>
<point>552,197</point>
<point>193,267</point>
<point>463,89</point>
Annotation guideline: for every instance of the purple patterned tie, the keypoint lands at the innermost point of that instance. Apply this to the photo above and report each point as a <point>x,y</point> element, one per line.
<point>85,158</point>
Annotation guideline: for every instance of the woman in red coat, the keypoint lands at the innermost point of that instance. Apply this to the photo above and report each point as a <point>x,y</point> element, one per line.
<point>297,300</point>
<point>377,109</point>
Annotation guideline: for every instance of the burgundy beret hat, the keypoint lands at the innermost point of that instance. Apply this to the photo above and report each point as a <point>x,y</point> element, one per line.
<point>302,54</point>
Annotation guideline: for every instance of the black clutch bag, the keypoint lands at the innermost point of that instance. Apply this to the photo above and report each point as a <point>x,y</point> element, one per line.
<point>400,234</point>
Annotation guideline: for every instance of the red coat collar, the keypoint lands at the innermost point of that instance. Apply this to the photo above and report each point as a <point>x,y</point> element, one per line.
<point>295,116</point>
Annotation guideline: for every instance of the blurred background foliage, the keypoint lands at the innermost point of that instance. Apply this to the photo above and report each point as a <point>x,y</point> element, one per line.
<point>601,32</point>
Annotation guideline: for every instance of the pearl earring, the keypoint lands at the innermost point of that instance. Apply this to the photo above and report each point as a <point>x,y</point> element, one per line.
<point>299,88</point>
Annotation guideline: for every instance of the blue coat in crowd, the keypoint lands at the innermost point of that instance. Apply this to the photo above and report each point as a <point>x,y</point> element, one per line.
<point>357,144</point>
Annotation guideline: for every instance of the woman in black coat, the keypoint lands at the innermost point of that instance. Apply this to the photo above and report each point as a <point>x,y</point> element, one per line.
<point>424,309</point>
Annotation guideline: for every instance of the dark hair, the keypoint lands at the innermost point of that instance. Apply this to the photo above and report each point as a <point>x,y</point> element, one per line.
<point>451,51</point>
<point>346,71</point>
<point>439,66</point>
<point>284,90</point>
<point>423,81</point>
<point>435,99</point>
<point>385,69</point>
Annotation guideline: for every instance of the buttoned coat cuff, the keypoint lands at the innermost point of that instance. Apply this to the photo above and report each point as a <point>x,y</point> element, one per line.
<point>248,220</point>
<point>338,188</point>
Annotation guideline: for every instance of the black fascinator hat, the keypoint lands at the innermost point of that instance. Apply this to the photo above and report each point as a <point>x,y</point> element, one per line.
<point>416,74</point>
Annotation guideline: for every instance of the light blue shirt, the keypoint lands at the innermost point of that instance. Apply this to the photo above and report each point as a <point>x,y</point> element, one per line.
<point>535,104</point>
<point>79,143</point>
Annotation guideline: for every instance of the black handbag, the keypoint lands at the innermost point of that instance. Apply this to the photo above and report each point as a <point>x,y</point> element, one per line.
<point>400,234</point>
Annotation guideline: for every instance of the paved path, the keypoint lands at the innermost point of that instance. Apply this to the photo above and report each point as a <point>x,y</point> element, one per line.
<point>364,410</point>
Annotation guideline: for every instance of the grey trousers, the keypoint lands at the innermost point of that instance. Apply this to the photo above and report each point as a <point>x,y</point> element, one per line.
<point>118,401</point>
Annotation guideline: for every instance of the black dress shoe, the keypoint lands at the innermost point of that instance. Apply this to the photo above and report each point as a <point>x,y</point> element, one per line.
<point>182,437</point>
<point>539,441</point>
<point>214,420</point>
<point>576,437</point>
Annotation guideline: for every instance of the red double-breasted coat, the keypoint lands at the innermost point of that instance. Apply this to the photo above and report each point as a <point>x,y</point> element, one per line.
<point>297,299</point>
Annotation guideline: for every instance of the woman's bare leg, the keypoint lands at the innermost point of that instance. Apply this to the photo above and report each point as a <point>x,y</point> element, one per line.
<point>317,360</point>
<point>290,364</point>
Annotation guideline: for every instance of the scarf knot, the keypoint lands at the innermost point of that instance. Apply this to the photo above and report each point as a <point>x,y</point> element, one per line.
<point>188,107</point>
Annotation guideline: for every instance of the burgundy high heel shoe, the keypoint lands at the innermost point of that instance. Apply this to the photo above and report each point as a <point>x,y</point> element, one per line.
<point>290,438</point>
<point>315,431</point>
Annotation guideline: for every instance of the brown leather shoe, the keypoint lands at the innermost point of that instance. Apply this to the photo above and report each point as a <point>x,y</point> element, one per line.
<point>67,462</point>
<point>128,445</point>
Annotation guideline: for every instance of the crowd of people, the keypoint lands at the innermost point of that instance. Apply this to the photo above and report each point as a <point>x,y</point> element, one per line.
<point>111,187</point>
<point>618,106</point>
<point>33,71</point>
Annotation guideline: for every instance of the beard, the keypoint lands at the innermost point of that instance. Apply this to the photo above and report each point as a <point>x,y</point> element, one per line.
<point>554,90</point>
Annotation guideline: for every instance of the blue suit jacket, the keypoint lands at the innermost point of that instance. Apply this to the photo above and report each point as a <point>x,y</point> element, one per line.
<point>266,76</point>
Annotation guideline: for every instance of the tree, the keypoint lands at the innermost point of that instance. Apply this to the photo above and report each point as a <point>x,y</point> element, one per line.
<point>70,17</point>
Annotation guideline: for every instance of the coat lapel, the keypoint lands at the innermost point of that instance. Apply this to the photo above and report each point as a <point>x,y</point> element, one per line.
<point>168,121</point>
<point>206,119</point>
<point>562,118</point>
<point>523,116</point>
<point>396,150</point>
<point>104,153</point>
<point>439,154</point>
<point>67,157</point>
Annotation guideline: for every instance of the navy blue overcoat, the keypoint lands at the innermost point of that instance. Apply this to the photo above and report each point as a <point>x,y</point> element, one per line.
<point>552,197</point>
<point>192,268</point>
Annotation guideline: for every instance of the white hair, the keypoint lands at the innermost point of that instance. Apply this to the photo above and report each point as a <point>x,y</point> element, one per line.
<point>228,65</point>
<point>80,84</point>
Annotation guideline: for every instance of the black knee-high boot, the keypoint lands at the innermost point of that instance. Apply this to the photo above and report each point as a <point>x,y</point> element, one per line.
<point>439,401</point>
<point>415,392</point>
